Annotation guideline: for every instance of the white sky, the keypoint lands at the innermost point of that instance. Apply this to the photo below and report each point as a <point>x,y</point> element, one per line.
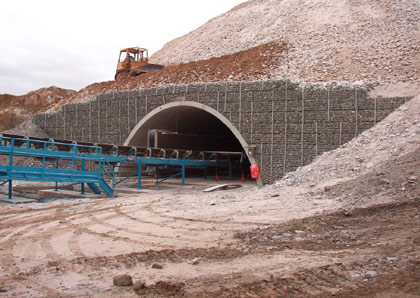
<point>71,44</point>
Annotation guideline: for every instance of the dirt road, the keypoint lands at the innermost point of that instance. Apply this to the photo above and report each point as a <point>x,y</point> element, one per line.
<point>241,243</point>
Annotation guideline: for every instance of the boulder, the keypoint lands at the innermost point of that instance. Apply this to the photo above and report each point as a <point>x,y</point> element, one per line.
<point>123,280</point>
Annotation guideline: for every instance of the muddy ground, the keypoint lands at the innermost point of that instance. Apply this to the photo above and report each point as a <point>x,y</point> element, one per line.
<point>358,238</point>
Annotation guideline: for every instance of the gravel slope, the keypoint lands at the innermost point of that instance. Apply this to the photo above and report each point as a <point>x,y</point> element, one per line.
<point>327,40</point>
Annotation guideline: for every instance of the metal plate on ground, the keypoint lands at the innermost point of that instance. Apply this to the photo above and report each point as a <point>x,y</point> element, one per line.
<point>222,187</point>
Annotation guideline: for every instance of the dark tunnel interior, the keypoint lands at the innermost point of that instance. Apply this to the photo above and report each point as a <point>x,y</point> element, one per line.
<point>189,128</point>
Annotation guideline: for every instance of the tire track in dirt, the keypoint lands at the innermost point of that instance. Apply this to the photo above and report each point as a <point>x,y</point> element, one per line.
<point>8,255</point>
<point>25,235</point>
<point>10,213</point>
<point>181,222</point>
<point>74,244</point>
<point>30,219</point>
<point>9,261</point>
<point>320,263</point>
<point>46,291</point>
<point>48,249</point>
<point>345,278</point>
<point>85,228</point>
<point>31,250</point>
<point>48,233</point>
<point>48,217</point>
<point>183,240</point>
<point>217,222</point>
<point>118,210</point>
<point>43,240</point>
<point>280,269</point>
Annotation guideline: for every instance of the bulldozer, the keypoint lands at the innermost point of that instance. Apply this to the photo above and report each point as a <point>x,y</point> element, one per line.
<point>135,61</point>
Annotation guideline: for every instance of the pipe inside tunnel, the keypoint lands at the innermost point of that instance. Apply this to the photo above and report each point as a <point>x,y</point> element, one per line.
<point>190,126</point>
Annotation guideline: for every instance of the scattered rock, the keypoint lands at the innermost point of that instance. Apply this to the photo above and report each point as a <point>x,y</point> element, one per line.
<point>123,280</point>
<point>413,179</point>
<point>157,266</point>
<point>371,274</point>
<point>397,151</point>
<point>138,285</point>
<point>167,287</point>
<point>195,261</point>
<point>384,181</point>
<point>359,159</point>
<point>346,213</point>
<point>170,286</point>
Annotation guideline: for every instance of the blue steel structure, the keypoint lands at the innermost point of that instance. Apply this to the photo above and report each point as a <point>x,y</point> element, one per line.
<point>96,165</point>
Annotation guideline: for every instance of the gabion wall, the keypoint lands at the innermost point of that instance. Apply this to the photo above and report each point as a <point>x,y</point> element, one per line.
<point>289,124</point>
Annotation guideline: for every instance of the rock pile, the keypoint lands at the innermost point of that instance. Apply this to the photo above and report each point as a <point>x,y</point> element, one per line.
<point>15,109</point>
<point>340,40</point>
<point>395,136</point>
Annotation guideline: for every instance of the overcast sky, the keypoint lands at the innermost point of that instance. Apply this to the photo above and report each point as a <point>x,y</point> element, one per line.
<point>71,44</point>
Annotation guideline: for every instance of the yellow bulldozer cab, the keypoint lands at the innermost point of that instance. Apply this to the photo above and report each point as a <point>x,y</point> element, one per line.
<point>135,61</point>
<point>131,58</point>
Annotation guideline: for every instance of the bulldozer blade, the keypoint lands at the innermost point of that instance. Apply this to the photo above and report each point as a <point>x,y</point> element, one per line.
<point>146,68</point>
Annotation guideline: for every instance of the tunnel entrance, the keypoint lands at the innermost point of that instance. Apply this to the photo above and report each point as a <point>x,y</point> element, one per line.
<point>192,126</point>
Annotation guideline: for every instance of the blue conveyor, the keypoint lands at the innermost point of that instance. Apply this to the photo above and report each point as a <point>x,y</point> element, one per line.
<point>95,165</point>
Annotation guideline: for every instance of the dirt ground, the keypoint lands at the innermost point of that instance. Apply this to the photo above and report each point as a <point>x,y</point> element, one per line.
<point>294,241</point>
<point>346,225</point>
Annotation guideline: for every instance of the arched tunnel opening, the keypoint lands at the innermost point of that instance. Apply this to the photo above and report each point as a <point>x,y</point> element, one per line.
<point>192,126</point>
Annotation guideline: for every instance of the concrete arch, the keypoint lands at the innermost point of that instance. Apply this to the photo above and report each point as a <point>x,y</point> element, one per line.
<point>173,105</point>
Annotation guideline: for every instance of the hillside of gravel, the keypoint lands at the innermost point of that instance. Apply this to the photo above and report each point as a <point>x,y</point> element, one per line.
<point>371,153</point>
<point>15,109</point>
<point>327,40</point>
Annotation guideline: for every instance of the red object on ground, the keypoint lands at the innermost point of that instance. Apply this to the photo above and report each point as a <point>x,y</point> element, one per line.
<point>255,171</point>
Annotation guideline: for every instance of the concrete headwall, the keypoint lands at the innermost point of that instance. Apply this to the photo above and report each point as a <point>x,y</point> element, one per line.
<point>288,124</point>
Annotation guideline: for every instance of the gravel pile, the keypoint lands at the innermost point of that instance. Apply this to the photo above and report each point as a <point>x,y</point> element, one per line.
<point>393,137</point>
<point>372,41</point>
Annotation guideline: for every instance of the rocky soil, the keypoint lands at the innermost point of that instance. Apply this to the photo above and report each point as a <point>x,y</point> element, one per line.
<point>15,109</point>
<point>344,226</point>
<point>341,40</point>
<point>232,67</point>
